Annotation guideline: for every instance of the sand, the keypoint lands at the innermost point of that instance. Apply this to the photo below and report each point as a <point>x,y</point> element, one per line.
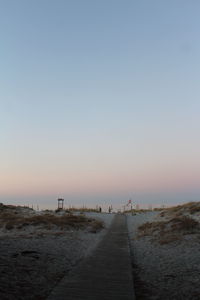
<point>167,271</point>
<point>32,263</point>
<point>33,260</point>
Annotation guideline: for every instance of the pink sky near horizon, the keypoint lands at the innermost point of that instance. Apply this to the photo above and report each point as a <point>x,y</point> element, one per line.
<point>100,179</point>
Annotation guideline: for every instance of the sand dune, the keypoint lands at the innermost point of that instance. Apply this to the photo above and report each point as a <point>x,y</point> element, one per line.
<point>166,253</point>
<point>35,255</point>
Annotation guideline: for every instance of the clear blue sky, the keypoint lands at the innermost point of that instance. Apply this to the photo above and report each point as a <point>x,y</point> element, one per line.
<point>99,101</point>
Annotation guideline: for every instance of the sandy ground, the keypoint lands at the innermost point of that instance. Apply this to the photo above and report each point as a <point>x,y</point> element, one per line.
<point>31,264</point>
<point>167,271</point>
<point>33,261</point>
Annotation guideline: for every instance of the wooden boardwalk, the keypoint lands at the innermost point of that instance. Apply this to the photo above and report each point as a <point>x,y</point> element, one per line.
<point>106,274</point>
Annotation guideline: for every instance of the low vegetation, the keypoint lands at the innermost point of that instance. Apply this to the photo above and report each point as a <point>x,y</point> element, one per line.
<point>169,230</point>
<point>16,219</point>
<point>137,211</point>
<point>82,209</point>
<point>187,208</point>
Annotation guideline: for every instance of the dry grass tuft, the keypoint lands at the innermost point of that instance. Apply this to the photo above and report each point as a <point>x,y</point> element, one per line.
<point>147,229</point>
<point>10,220</point>
<point>137,211</point>
<point>96,226</point>
<point>83,209</point>
<point>187,208</point>
<point>184,223</point>
<point>169,231</point>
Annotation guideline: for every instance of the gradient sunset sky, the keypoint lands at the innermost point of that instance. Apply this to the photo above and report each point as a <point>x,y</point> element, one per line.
<point>99,101</point>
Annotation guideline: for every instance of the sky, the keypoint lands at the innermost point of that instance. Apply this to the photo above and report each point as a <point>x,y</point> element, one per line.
<point>99,102</point>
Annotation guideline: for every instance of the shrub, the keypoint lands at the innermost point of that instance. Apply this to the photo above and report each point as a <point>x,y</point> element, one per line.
<point>170,230</point>
<point>66,221</point>
<point>184,223</point>
<point>191,208</point>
